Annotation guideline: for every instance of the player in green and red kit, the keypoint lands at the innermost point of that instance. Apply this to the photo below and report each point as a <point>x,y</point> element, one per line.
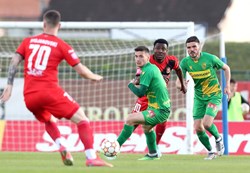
<point>42,94</point>
<point>202,68</point>
<point>166,63</point>
<point>153,86</point>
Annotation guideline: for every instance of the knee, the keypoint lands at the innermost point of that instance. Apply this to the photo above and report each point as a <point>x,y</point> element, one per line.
<point>206,126</point>
<point>199,128</point>
<point>129,121</point>
<point>79,116</point>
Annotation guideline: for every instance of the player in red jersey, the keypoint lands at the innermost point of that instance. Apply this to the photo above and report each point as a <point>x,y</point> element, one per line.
<point>166,63</point>
<point>42,94</point>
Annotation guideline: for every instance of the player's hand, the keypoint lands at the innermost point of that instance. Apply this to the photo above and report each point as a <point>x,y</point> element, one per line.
<point>228,91</point>
<point>6,93</point>
<point>136,80</point>
<point>183,89</point>
<point>97,77</point>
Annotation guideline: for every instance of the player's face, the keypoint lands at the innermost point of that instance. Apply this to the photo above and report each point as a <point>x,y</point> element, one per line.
<point>160,52</point>
<point>141,58</point>
<point>193,49</point>
<point>233,87</point>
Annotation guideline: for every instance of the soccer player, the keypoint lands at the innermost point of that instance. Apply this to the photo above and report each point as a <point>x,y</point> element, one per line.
<point>202,68</point>
<point>154,87</point>
<point>42,94</point>
<point>166,63</point>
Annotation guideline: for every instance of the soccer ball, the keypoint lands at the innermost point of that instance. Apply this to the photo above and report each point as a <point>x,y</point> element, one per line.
<point>245,108</point>
<point>110,148</point>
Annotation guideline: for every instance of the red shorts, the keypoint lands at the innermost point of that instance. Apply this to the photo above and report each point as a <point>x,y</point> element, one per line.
<point>141,104</point>
<point>54,102</point>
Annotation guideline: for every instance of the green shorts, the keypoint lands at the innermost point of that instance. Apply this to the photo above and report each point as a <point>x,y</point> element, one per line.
<point>155,116</point>
<point>206,107</point>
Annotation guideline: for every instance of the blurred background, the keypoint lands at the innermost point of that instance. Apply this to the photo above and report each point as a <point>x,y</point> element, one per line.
<point>211,18</point>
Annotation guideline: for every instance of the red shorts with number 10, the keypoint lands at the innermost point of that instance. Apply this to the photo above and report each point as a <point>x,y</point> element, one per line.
<point>56,102</point>
<point>141,104</point>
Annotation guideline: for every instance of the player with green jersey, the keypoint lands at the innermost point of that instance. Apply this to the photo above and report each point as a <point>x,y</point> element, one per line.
<point>157,94</point>
<point>151,84</point>
<point>202,67</point>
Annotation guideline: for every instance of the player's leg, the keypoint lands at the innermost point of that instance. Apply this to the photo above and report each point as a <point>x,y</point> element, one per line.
<point>159,130</point>
<point>128,128</point>
<point>140,105</point>
<point>211,112</point>
<point>86,136</point>
<point>151,143</point>
<point>199,112</point>
<point>52,129</point>
<point>35,103</point>
<point>55,134</point>
<point>153,117</point>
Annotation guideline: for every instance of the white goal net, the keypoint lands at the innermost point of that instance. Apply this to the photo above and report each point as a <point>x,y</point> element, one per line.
<point>107,48</point>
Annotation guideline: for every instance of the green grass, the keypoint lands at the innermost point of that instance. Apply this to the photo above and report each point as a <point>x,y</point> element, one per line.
<point>20,162</point>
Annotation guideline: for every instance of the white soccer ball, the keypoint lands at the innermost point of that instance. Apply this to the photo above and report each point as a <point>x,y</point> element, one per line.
<point>245,108</point>
<point>110,148</point>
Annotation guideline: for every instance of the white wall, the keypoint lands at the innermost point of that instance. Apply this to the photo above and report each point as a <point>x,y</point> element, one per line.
<point>15,108</point>
<point>235,25</point>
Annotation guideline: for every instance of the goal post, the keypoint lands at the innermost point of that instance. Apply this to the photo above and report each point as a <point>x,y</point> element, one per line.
<point>107,49</point>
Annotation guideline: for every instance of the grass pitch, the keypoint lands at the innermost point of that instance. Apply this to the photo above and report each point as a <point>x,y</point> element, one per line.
<point>22,162</point>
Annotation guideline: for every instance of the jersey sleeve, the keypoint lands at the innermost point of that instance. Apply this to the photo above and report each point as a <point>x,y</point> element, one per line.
<point>217,63</point>
<point>146,77</point>
<point>21,48</point>
<point>176,64</point>
<point>69,54</point>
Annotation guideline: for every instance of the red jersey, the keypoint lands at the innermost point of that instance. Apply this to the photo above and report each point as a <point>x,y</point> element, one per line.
<point>169,63</point>
<point>42,55</point>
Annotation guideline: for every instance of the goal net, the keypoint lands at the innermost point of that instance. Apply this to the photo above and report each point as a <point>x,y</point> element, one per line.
<point>107,48</point>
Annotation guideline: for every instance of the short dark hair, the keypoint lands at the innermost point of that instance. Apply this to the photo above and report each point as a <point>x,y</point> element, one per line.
<point>52,17</point>
<point>193,39</point>
<point>161,40</point>
<point>142,48</point>
<point>232,81</point>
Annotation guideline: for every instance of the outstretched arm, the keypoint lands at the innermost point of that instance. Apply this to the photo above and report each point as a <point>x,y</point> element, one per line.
<point>16,59</point>
<point>179,83</point>
<point>85,72</point>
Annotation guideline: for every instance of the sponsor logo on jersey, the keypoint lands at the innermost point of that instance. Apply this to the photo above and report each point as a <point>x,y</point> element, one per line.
<point>74,56</point>
<point>151,113</point>
<point>200,74</point>
<point>204,65</point>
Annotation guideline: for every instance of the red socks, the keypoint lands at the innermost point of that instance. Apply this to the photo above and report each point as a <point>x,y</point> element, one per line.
<point>52,130</point>
<point>86,134</point>
<point>159,130</point>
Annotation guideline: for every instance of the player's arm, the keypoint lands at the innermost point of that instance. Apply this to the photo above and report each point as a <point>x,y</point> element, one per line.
<point>16,59</point>
<point>181,77</point>
<point>85,72</point>
<point>226,68</point>
<point>139,91</point>
<point>180,83</point>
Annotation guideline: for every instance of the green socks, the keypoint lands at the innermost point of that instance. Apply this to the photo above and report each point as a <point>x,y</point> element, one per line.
<point>151,141</point>
<point>125,134</point>
<point>203,137</point>
<point>213,131</point>
<point>128,130</point>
